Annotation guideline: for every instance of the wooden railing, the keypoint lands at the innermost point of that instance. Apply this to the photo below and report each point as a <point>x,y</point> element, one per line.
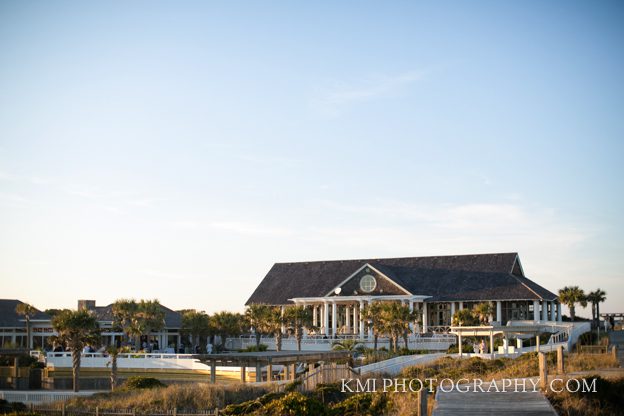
<point>593,349</point>
<point>326,373</point>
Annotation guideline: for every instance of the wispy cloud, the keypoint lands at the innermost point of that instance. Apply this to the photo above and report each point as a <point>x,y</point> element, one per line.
<point>332,101</point>
<point>95,193</point>
<point>269,160</point>
<point>12,198</point>
<point>234,226</point>
<point>249,228</point>
<point>116,201</point>
<point>5,176</point>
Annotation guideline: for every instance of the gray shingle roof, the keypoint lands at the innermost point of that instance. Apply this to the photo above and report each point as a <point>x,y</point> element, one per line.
<point>10,319</point>
<point>445,278</point>
<point>173,319</point>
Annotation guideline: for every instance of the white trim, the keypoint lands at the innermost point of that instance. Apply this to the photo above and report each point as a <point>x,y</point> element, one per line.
<point>407,292</point>
<point>517,260</point>
<point>367,298</point>
<point>348,278</point>
<point>392,281</point>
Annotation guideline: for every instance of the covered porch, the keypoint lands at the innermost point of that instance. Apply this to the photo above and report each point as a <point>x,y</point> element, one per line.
<point>341,316</point>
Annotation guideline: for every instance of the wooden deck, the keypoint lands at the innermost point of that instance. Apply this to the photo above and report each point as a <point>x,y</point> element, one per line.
<point>492,403</point>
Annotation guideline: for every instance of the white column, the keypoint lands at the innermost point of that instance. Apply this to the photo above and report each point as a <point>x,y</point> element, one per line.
<point>355,319</point>
<point>411,309</point>
<point>553,311</point>
<point>491,318</point>
<point>326,318</point>
<point>315,315</point>
<point>559,312</point>
<point>536,311</point>
<point>519,343</point>
<point>347,319</point>
<point>544,310</point>
<point>334,318</point>
<point>361,330</point>
<point>505,345</point>
<point>425,319</point>
<point>452,310</point>
<point>499,311</point>
<point>461,306</point>
<point>283,326</point>
<point>370,330</point>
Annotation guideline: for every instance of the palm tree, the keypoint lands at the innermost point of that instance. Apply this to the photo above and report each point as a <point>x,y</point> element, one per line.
<point>76,329</point>
<point>395,319</point>
<point>227,324</point>
<point>347,345</point>
<point>196,325</point>
<point>138,318</point>
<point>257,315</point>
<point>570,296</point>
<point>465,317</point>
<point>124,317</point>
<point>150,316</point>
<point>483,311</point>
<point>596,297</point>
<point>27,311</point>
<point>371,313</point>
<point>297,318</point>
<point>113,353</point>
<point>274,323</point>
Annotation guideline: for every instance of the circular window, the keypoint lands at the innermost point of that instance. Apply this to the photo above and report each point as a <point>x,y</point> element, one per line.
<point>368,283</point>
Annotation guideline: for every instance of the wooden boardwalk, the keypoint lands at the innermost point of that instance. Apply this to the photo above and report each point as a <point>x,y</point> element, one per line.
<point>493,403</point>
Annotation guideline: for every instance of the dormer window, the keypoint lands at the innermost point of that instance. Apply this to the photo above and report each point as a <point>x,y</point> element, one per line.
<point>368,283</point>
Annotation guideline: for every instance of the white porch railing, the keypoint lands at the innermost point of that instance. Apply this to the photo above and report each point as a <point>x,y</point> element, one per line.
<point>127,360</point>
<point>436,342</point>
<point>394,365</point>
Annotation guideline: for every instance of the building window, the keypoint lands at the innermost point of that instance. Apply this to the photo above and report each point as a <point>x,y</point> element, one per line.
<point>368,283</point>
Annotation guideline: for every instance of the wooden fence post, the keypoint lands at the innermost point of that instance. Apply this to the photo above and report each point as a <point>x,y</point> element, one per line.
<point>175,411</point>
<point>97,411</point>
<point>63,409</point>
<point>216,412</point>
<point>560,363</point>
<point>614,352</point>
<point>421,406</point>
<point>543,370</point>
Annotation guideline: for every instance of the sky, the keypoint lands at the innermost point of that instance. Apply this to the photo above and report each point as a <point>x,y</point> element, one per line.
<point>176,150</point>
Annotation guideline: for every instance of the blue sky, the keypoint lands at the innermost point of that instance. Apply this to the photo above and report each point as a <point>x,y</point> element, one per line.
<point>178,149</point>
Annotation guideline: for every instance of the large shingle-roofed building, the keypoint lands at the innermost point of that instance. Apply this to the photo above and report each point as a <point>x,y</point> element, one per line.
<point>436,285</point>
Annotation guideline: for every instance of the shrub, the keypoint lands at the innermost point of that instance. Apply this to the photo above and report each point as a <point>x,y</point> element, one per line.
<point>354,405</point>
<point>25,360</point>
<point>254,348</point>
<point>12,407</point>
<point>138,382</point>
<point>292,386</point>
<point>607,400</point>
<point>251,406</point>
<point>295,404</point>
<point>328,392</point>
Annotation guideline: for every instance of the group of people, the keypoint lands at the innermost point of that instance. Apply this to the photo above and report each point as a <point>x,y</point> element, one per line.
<point>480,348</point>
